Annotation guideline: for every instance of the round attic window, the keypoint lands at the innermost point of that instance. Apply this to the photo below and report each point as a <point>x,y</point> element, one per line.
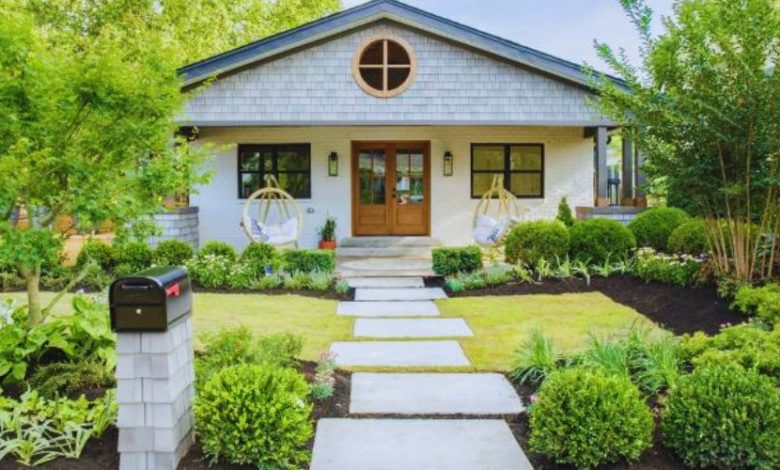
<point>384,67</point>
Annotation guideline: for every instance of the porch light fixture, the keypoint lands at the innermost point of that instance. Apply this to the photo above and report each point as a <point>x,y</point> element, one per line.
<point>333,164</point>
<point>448,163</point>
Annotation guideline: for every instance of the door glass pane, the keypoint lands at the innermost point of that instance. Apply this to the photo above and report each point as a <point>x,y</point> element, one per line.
<point>371,176</point>
<point>524,157</point>
<point>488,157</point>
<point>481,183</point>
<point>409,184</point>
<point>526,184</point>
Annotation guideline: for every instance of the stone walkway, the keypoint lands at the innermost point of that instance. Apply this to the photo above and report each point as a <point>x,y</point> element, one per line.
<point>396,326</point>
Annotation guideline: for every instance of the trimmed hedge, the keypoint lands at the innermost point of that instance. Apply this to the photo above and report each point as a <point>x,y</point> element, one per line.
<point>528,242</point>
<point>724,417</point>
<point>133,257</point>
<point>653,227</point>
<point>257,256</point>
<point>173,253</point>
<point>307,261</point>
<point>587,418</point>
<point>597,240</point>
<point>454,260</point>
<point>218,249</point>
<point>690,238</point>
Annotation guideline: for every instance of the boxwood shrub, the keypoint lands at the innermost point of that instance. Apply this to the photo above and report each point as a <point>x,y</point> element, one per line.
<point>528,242</point>
<point>587,418</point>
<point>219,249</point>
<point>307,261</point>
<point>597,240</point>
<point>256,256</point>
<point>453,260</point>
<point>653,227</point>
<point>724,417</point>
<point>763,302</point>
<point>133,257</point>
<point>690,238</point>
<point>101,253</point>
<point>255,414</point>
<point>172,253</point>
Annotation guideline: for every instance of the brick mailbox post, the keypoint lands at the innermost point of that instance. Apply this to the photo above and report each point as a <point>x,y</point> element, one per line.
<point>151,314</point>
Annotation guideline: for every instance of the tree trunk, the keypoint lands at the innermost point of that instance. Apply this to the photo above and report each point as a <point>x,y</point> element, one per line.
<point>33,278</point>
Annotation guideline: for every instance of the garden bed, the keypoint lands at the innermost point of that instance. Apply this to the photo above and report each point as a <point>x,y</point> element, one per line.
<point>679,309</point>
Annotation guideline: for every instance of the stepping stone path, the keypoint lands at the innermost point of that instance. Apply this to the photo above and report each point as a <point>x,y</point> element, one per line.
<point>398,311</point>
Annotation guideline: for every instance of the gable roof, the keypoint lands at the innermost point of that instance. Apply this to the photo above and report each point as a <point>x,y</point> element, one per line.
<point>377,10</point>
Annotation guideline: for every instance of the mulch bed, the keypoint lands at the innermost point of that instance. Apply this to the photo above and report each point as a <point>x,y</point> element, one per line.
<point>678,309</point>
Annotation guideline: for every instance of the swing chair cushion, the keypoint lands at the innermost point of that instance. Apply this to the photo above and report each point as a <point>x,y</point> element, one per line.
<point>488,231</point>
<point>282,234</point>
<point>258,233</point>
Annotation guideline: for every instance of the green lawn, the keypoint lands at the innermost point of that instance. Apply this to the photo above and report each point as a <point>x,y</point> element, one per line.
<point>501,324</point>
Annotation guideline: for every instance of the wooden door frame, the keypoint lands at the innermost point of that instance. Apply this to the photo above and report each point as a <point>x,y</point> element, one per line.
<point>390,146</point>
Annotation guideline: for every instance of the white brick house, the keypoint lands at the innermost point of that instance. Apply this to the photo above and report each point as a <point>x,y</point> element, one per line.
<point>388,90</point>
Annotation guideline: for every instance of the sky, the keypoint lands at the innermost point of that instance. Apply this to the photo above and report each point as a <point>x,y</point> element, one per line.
<point>563,28</point>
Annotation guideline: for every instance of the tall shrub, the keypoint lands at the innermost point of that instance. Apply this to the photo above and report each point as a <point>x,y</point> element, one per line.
<point>653,227</point>
<point>597,240</point>
<point>528,242</point>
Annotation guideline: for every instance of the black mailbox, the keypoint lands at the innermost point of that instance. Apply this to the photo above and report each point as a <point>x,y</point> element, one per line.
<point>150,300</point>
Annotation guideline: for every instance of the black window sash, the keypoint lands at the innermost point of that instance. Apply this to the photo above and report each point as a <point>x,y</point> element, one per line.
<point>507,170</point>
<point>274,150</point>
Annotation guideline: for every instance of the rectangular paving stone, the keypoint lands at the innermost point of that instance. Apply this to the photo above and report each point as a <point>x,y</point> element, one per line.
<point>399,353</point>
<point>392,444</point>
<point>434,394</point>
<point>411,327</point>
<point>388,309</point>
<point>386,282</point>
<point>427,293</point>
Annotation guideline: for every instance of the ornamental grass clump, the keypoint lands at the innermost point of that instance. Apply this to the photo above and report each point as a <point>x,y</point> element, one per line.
<point>255,414</point>
<point>588,418</point>
<point>535,360</point>
<point>724,417</point>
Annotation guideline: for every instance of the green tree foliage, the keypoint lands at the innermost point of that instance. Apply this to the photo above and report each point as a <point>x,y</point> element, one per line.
<point>702,106</point>
<point>564,212</point>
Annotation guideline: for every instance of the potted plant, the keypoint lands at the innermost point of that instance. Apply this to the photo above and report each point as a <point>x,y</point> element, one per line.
<point>328,234</point>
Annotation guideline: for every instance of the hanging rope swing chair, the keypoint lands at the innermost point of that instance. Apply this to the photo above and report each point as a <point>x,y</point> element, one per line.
<point>279,220</point>
<point>496,213</point>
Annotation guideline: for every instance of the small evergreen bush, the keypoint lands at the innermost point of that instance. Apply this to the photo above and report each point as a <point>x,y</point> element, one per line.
<point>763,302</point>
<point>653,227</point>
<point>101,253</point>
<point>306,261</point>
<point>598,240</point>
<point>564,213</point>
<point>724,417</point>
<point>172,253</point>
<point>219,249</point>
<point>257,256</point>
<point>453,260</point>
<point>134,257</point>
<point>528,242</point>
<point>587,418</point>
<point>690,238</point>
<point>255,414</point>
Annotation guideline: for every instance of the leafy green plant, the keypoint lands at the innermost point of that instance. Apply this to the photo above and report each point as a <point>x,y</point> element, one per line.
<point>453,260</point>
<point>69,378</point>
<point>658,365</point>
<point>762,302</point>
<point>581,269</point>
<point>610,355</point>
<point>307,261</point>
<point>682,270</point>
<point>565,215</point>
<point>455,285</point>
<point>241,276</point>
<point>210,271</point>
<point>690,238</point>
<point>342,287</point>
<point>497,275</point>
<point>597,240</point>
<point>529,242</point>
<point>524,274</point>
<point>217,249</point>
<point>250,414</point>
<point>320,281</point>
<point>297,280</point>
<point>327,232</point>
<point>725,417</point>
<point>274,281</point>
<point>136,256</point>
<point>324,381</point>
<point>653,227</point>
<point>587,418</point>
<point>101,253</point>
<point>535,360</point>
<point>173,253</point>
<point>544,269</point>
<point>259,255</point>
<point>564,269</point>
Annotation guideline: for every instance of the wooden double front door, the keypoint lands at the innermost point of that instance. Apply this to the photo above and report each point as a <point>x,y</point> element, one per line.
<point>391,188</point>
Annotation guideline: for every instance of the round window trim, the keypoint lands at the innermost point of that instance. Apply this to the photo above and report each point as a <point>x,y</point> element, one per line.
<point>357,67</point>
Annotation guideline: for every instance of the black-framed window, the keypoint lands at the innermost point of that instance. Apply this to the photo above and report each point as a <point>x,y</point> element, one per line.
<point>289,163</point>
<point>522,166</point>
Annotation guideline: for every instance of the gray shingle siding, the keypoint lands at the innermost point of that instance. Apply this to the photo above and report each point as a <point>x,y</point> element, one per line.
<point>454,85</point>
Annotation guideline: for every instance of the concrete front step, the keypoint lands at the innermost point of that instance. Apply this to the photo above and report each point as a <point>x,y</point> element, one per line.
<point>392,444</point>
<point>433,394</point>
<point>385,295</point>
<point>386,282</point>
<point>383,242</point>
<point>388,309</point>
<point>419,252</point>
<point>383,267</point>
<point>399,354</point>
<point>411,328</point>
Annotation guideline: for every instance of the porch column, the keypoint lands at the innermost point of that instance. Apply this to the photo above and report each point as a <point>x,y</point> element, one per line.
<point>627,177</point>
<point>640,200</point>
<point>600,162</point>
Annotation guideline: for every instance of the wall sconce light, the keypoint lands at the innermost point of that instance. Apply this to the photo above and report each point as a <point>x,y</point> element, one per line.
<point>447,163</point>
<point>333,164</point>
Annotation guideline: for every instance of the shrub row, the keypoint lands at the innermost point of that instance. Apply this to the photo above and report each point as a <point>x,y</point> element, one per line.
<point>453,260</point>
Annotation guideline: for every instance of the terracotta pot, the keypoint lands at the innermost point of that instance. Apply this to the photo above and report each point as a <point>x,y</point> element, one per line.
<point>327,245</point>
